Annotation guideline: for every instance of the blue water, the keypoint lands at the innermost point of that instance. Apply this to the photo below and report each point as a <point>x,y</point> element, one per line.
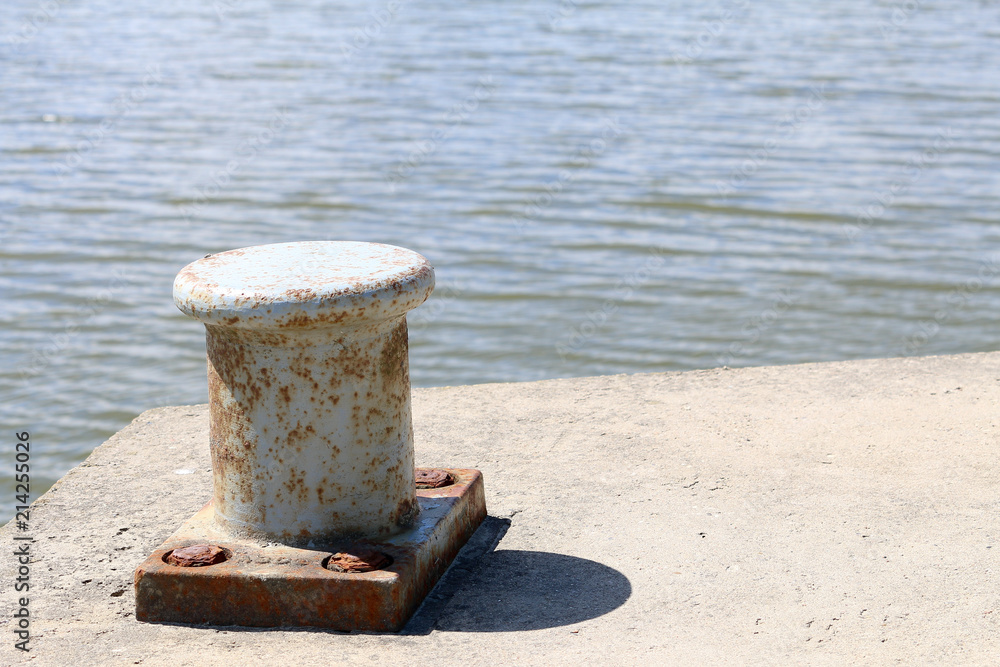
<point>604,187</point>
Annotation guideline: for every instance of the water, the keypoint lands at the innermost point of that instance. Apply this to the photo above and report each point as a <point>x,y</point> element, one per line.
<point>604,187</point>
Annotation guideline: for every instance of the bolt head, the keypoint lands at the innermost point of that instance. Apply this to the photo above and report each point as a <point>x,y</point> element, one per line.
<point>433,479</point>
<point>197,555</point>
<point>360,561</point>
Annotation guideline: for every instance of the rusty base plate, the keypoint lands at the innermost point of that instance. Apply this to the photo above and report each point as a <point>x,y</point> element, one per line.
<point>275,585</point>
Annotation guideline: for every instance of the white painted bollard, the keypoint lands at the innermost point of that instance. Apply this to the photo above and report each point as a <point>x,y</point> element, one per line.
<point>309,386</point>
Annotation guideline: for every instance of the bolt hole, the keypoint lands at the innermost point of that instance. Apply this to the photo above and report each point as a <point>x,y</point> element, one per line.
<point>197,555</point>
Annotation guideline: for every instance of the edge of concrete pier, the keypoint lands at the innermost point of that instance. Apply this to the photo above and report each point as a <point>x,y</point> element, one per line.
<point>808,514</point>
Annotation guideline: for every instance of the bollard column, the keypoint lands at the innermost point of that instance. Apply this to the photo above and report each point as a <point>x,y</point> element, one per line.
<point>317,516</point>
<point>309,387</point>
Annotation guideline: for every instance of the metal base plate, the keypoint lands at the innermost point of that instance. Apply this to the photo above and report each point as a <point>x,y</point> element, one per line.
<point>276,585</point>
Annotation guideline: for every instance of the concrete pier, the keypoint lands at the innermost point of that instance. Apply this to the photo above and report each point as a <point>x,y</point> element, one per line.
<point>812,514</point>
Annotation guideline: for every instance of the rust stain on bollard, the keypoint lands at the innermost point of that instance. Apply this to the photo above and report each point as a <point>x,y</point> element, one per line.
<point>311,441</point>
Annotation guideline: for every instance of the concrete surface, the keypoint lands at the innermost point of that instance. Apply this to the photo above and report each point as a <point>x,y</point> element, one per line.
<point>814,514</point>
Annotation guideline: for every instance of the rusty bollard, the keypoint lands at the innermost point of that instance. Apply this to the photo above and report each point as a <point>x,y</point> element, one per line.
<point>312,445</point>
<point>309,385</point>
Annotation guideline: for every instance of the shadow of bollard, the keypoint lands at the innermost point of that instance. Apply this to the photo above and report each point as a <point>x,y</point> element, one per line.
<point>511,591</point>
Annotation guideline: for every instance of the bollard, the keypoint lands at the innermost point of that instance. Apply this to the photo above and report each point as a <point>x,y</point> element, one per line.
<point>318,516</point>
<point>309,386</point>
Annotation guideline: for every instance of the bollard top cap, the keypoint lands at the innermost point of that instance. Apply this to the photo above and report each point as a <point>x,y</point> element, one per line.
<point>304,285</point>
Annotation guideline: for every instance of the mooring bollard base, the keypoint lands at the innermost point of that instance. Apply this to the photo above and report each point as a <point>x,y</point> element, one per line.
<point>326,586</point>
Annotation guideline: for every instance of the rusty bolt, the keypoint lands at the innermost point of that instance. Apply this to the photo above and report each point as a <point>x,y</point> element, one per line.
<point>197,555</point>
<point>309,388</point>
<point>360,561</point>
<point>433,479</point>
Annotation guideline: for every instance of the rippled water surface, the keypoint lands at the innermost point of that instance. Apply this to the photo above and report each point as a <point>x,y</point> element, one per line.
<point>603,187</point>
